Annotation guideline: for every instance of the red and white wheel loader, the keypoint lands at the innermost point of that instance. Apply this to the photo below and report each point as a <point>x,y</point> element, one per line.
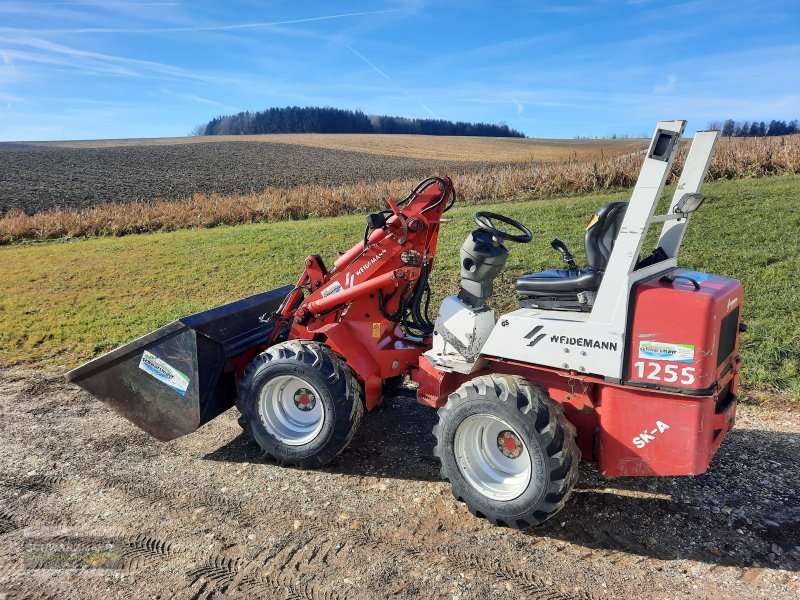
<point>630,362</point>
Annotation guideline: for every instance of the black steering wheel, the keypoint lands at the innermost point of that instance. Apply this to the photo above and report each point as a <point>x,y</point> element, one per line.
<point>485,220</point>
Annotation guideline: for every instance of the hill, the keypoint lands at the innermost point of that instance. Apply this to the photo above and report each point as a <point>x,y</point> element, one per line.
<point>315,119</point>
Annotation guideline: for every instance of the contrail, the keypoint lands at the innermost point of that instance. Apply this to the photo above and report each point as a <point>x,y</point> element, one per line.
<point>89,4</point>
<point>205,28</point>
<point>364,58</point>
<point>390,80</point>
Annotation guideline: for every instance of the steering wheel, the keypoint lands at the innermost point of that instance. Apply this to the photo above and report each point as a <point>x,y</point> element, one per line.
<point>485,220</point>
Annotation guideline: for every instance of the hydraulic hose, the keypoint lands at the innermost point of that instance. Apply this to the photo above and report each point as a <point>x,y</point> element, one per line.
<point>420,320</point>
<point>418,189</point>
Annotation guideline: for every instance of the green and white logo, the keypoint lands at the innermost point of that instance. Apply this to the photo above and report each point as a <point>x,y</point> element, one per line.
<point>666,351</point>
<point>166,374</point>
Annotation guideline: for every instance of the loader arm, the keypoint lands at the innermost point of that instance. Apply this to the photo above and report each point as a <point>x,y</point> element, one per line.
<point>374,299</point>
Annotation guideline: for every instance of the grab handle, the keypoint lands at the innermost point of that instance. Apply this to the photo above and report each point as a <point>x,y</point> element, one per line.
<point>672,278</point>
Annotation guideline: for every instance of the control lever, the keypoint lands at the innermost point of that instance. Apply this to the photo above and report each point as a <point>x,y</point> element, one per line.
<point>568,258</point>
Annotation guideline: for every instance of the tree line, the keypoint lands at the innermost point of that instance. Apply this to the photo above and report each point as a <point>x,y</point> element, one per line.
<point>315,119</point>
<point>731,128</point>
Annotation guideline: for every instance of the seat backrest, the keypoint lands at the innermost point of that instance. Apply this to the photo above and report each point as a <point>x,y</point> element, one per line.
<point>602,232</point>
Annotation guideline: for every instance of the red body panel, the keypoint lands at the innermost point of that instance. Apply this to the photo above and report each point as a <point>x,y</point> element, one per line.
<point>648,432</point>
<point>627,430</point>
<point>645,426</point>
<point>679,336</point>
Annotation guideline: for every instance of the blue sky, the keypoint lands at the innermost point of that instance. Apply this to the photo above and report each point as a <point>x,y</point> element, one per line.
<point>80,70</point>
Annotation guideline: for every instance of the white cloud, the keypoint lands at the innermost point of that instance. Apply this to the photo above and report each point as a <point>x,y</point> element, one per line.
<point>194,98</point>
<point>518,104</point>
<point>666,87</point>
<point>51,53</point>
<point>233,27</point>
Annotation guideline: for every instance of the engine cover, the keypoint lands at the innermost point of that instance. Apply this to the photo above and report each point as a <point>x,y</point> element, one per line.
<point>683,336</point>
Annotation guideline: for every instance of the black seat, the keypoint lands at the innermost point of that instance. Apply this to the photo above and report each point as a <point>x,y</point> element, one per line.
<point>559,288</point>
<point>559,280</point>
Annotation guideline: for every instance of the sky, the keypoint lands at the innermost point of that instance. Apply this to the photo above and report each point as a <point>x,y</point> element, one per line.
<point>96,69</point>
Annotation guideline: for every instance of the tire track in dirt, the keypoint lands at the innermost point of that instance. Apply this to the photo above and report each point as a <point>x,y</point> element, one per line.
<point>221,572</point>
<point>500,573</point>
<point>142,550</point>
<point>13,518</point>
<point>493,570</point>
<point>12,521</point>
<point>229,575</point>
<point>134,551</point>
<point>42,484</point>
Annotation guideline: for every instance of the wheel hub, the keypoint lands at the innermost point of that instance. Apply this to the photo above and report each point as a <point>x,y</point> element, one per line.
<point>509,444</point>
<point>304,399</point>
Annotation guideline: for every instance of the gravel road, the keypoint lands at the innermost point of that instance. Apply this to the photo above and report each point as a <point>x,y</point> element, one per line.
<point>90,507</point>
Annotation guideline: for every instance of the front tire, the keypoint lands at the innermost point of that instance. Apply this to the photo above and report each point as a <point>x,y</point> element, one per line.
<point>508,450</point>
<point>300,402</point>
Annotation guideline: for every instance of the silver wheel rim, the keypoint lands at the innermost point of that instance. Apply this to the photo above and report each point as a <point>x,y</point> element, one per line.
<point>290,409</point>
<point>492,457</point>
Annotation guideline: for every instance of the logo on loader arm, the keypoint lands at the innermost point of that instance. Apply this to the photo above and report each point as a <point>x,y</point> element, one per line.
<point>363,268</point>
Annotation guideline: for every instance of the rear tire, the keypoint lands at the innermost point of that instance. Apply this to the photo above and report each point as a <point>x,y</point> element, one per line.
<point>300,402</point>
<point>508,450</point>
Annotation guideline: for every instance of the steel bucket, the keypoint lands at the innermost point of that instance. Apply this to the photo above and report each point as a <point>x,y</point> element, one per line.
<point>179,377</point>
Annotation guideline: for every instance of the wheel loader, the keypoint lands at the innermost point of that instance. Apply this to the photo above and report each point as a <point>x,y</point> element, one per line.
<point>631,361</point>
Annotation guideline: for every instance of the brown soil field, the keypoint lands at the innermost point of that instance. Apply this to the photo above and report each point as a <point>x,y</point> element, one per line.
<point>91,507</point>
<point>40,178</point>
<point>308,185</point>
<point>433,147</point>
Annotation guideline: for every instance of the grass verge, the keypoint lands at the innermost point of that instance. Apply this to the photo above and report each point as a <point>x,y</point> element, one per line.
<point>66,301</point>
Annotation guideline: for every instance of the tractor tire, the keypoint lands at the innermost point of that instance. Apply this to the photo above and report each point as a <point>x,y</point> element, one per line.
<point>300,402</point>
<point>508,450</point>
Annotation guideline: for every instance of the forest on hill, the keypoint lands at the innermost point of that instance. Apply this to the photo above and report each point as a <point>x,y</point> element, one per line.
<point>315,119</point>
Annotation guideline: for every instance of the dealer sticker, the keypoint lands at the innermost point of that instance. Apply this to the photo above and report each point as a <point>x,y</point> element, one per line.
<point>333,288</point>
<point>166,374</point>
<point>666,351</point>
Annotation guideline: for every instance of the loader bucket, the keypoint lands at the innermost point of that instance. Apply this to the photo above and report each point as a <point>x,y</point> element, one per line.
<point>179,377</point>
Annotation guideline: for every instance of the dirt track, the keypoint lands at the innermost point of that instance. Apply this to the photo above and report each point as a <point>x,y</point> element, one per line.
<point>91,507</point>
<point>38,178</point>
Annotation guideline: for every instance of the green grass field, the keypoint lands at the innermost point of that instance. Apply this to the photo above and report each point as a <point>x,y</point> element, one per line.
<point>64,302</point>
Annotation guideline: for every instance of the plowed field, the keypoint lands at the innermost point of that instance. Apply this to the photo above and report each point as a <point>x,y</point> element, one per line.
<point>38,178</point>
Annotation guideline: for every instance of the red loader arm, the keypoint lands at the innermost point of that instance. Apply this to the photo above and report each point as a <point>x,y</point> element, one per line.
<point>370,308</point>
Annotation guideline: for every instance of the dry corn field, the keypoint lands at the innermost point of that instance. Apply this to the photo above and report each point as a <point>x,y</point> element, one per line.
<point>297,197</point>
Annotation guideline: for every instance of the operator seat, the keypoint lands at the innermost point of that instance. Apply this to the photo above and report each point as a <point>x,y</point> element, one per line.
<point>560,288</point>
